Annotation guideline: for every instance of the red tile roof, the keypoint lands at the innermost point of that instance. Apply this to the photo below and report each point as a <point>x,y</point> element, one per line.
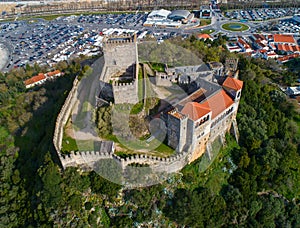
<point>204,36</point>
<point>244,43</point>
<point>35,79</point>
<point>50,74</point>
<point>233,83</point>
<point>218,103</point>
<point>263,51</point>
<point>278,38</point>
<point>195,110</point>
<point>288,57</point>
<point>286,47</point>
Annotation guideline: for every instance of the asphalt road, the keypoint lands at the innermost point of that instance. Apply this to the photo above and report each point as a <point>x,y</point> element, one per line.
<point>82,112</point>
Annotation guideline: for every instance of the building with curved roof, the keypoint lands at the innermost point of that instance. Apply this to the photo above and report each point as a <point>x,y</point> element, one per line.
<point>161,14</point>
<point>178,15</point>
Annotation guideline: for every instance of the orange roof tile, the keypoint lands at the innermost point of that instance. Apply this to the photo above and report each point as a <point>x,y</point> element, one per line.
<point>204,36</point>
<point>278,38</point>
<point>288,57</point>
<point>195,110</point>
<point>218,103</point>
<point>50,74</point>
<point>287,47</point>
<point>233,83</point>
<point>35,79</point>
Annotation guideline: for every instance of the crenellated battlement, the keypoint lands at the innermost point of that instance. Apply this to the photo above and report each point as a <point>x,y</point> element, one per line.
<point>115,40</point>
<point>123,84</point>
<point>125,92</point>
<point>89,158</point>
<point>83,158</point>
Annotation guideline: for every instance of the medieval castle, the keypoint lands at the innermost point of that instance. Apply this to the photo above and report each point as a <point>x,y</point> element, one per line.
<point>207,112</point>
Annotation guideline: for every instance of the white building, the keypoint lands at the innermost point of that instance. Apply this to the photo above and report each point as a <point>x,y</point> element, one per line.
<point>158,15</point>
<point>294,91</point>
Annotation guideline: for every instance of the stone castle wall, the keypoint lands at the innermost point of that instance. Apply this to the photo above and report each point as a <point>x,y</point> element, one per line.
<point>123,54</point>
<point>119,55</point>
<point>125,93</point>
<point>87,159</point>
<point>63,116</point>
<point>84,158</point>
<point>162,79</point>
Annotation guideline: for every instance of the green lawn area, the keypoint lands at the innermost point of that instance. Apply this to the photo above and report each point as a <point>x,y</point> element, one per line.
<point>207,31</point>
<point>164,149</point>
<point>54,16</point>
<point>235,26</point>
<point>205,22</point>
<point>68,144</point>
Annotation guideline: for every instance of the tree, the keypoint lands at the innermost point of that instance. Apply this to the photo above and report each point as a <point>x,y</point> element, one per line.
<point>51,192</point>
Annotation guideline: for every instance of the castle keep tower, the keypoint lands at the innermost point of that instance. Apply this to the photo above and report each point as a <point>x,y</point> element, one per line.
<point>121,67</point>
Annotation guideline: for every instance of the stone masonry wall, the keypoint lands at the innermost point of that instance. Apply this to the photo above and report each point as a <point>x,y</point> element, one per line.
<point>125,93</point>
<point>63,116</point>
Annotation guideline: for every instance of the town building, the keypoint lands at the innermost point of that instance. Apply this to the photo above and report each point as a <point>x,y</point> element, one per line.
<point>204,37</point>
<point>41,78</point>
<point>35,80</point>
<point>164,18</point>
<point>205,12</point>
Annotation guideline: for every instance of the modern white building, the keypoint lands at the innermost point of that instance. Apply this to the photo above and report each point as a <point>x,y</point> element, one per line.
<point>164,18</point>
<point>159,15</point>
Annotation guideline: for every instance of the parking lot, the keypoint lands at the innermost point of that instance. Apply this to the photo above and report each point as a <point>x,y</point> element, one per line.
<point>114,19</point>
<point>261,14</point>
<point>48,42</point>
<point>288,26</point>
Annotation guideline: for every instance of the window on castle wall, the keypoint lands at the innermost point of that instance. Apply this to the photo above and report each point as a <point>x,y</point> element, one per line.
<point>238,95</point>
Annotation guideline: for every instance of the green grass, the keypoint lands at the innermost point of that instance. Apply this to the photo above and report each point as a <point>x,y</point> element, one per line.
<point>54,16</point>
<point>68,144</point>
<point>165,149</point>
<point>207,31</point>
<point>205,22</point>
<point>242,28</point>
<point>160,67</point>
<point>137,108</point>
<point>140,85</point>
